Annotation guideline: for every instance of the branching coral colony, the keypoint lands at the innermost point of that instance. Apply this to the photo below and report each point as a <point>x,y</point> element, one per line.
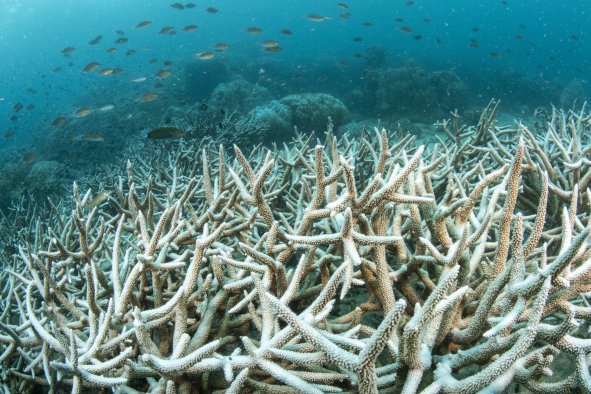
<point>357,266</point>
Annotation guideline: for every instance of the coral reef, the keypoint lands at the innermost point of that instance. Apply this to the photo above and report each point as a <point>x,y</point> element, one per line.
<point>359,265</point>
<point>221,127</point>
<point>375,56</point>
<point>423,134</point>
<point>37,180</point>
<point>12,173</point>
<point>413,92</point>
<point>309,111</point>
<point>46,177</point>
<point>238,95</point>
<point>278,116</point>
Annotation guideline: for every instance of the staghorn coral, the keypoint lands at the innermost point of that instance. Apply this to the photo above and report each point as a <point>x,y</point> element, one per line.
<point>357,265</point>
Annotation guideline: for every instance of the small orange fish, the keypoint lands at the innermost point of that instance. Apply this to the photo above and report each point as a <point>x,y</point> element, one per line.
<point>106,108</point>
<point>99,199</point>
<point>68,51</point>
<point>106,71</point>
<point>189,28</point>
<point>316,18</point>
<point>269,43</point>
<point>82,112</point>
<point>167,30</point>
<point>143,24</point>
<point>90,67</point>
<point>220,47</point>
<point>204,55</point>
<point>254,30</point>
<point>147,97</point>
<point>58,122</point>
<point>162,74</point>
<point>95,40</point>
<point>92,137</point>
<point>166,132</point>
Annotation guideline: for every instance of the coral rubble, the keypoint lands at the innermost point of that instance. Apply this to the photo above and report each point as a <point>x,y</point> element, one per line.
<point>357,265</point>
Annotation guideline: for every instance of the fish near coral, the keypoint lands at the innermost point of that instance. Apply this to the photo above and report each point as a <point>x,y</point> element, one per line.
<point>162,133</point>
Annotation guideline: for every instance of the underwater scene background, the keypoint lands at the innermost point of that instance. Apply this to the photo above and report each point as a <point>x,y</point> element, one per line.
<point>295,196</point>
<point>80,82</point>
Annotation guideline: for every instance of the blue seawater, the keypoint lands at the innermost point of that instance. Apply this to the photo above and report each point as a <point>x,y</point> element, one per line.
<point>529,53</point>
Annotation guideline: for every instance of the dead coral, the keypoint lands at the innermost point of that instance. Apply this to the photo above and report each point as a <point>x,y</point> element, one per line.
<point>261,271</point>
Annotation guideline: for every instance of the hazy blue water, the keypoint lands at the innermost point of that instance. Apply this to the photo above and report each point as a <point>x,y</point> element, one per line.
<point>555,43</point>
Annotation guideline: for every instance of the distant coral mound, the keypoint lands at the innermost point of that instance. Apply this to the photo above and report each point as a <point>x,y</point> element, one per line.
<point>46,177</point>
<point>238,95</point>
<point>278,116</point>
<point>410,91</point>
<point>310,110</point>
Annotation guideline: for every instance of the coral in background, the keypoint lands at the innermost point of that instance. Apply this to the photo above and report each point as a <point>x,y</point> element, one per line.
<point>279,118</point>
<point>238,95</point>
<point>531,90</point>
<point>413,92</point>
<point>375,56</point>
<point>360,265</point>
<point>573,93</point>
<point>12,174</point>
<point>200,79</point>
<point>309,111</point>
<point>221,127</point>
<point>46,177</point>
<point>424,134</point>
